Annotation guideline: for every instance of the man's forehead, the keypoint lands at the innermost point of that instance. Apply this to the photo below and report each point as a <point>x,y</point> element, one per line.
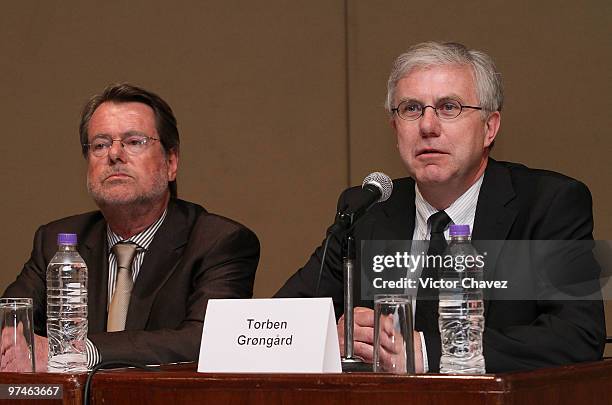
<point>127,107</point>
<point>438,81</point>
<point>122,117</point>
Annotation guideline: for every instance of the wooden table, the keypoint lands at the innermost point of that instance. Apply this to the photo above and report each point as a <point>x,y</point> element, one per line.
<point>588,383</point>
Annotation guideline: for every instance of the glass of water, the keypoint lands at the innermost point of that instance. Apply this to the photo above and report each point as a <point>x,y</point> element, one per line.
<point>17,335</point>
<point>393,341</point>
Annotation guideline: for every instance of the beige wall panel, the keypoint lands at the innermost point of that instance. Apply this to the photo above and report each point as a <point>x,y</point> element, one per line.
<point>555,58</point>
<point>258,89</point>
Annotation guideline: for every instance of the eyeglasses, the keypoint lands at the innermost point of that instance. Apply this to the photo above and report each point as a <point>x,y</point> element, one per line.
<point>445,109</point>
<point>132,144</point>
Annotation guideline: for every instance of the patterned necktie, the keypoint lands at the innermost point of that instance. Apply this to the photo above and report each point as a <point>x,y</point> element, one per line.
<point>117,312</point>
<point>426,316</point>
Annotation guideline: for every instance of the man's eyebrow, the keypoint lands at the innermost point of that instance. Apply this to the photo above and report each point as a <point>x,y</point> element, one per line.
<point>123,135</point>
<point>404,99</point>
<point>452,96</point>
<point>101,135</point>
<point>133,132</point>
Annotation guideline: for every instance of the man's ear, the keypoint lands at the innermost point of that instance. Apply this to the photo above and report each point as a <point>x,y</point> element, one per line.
<point>172,159</point>
<point>491,127</point>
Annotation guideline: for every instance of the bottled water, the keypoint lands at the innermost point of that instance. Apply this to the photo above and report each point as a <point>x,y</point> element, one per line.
<point>461,308</point>
<point>67,307</point>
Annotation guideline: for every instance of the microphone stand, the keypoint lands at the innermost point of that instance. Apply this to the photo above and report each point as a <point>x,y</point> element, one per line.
<point>350,363</point>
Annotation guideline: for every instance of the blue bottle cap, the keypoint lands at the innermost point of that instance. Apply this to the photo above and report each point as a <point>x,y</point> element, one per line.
<point>66,238</point>
<point>459,230</point>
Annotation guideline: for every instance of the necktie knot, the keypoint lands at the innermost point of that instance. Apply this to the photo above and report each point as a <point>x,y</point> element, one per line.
<point>439,221</point>
<point>125,252</point>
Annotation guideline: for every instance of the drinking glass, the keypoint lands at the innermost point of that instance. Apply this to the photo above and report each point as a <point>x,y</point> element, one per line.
<point>393,341</point>
<point>16,335</point>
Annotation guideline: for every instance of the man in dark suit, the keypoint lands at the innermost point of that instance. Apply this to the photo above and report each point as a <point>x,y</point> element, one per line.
<point>445,103</point>
<point>182,255</point>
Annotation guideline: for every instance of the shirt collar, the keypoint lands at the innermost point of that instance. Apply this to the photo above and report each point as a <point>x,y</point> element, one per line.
<point>461,211</point>
<point>142,239</point>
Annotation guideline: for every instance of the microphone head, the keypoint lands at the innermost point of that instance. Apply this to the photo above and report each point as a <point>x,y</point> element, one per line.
<point>382,182</point>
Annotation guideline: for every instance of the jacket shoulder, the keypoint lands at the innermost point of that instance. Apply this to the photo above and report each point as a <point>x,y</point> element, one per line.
<point>211,224</point>
<point>541,181</point>
<point>221,222</point>
<point>78,224</point>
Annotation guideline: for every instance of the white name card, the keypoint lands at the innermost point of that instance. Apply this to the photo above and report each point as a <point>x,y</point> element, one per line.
<point>280,335</point>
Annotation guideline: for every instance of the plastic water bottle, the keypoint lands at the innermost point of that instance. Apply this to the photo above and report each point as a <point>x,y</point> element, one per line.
<point>67,307</point>
<point>461,307</point>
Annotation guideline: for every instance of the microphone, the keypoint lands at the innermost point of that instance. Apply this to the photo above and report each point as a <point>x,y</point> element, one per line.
<point>379,185</point>
<point>376,187</point>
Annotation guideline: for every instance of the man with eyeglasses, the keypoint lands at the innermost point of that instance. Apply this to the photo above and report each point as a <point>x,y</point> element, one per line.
<point>445,103</point>
<point>180,255</point>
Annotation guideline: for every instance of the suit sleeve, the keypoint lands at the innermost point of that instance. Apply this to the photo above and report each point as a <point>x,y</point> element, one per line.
<point>563,332</point>
<point>221,260</point>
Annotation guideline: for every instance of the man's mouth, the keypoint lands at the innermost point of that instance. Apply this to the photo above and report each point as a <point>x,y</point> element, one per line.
<point>117,176</point>
<point>430,152</point>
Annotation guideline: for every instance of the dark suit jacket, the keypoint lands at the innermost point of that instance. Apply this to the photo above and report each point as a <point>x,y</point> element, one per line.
<point>193,257</point>
<point>515,203</point>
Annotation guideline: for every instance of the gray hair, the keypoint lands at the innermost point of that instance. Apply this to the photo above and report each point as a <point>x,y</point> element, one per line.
<point>489,87</point>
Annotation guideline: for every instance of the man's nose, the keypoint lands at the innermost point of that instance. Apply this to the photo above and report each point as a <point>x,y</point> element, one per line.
<point>429,123</point>
<point>116,151</point>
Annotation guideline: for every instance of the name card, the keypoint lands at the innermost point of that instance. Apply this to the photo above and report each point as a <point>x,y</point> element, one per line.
<point>281,335</point>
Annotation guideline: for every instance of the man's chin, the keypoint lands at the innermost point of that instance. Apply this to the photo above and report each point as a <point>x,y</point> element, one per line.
<point>126,198</point>
<point>117,196</point>
<point>105,200</point>
<point>433,176</point>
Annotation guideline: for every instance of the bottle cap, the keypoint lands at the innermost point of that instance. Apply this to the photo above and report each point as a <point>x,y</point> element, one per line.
<point>459,230</point>
<point>66,238</point>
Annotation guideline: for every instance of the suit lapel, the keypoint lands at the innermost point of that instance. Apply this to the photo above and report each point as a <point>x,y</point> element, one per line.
<point>159,263</point>
<point>494,215</point>
<point>94,252</point>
